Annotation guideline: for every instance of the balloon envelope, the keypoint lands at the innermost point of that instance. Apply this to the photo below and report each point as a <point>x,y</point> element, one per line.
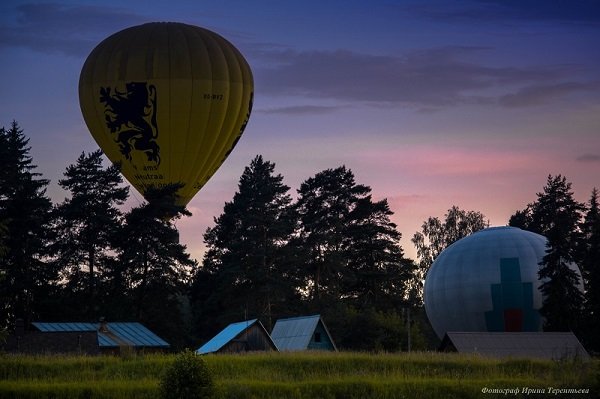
<point>488,281</point>
<point>168,101</point>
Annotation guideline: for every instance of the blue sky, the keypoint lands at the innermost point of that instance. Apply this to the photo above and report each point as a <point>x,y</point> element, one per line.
<point>431,103</point>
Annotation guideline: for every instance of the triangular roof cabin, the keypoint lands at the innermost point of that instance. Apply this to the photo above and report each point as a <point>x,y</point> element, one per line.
<point>245,336</point>
<point>541,345</point>
<point>302,333</point>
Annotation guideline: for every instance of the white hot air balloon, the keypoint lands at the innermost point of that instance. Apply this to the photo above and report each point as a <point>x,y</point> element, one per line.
<point>488,281</point>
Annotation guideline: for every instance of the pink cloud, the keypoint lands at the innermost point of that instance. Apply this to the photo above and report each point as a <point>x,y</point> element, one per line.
<point>435,161</point>
<point>419,180</point>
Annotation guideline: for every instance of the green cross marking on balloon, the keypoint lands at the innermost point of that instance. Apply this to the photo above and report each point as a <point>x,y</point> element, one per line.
<point>512,301</point>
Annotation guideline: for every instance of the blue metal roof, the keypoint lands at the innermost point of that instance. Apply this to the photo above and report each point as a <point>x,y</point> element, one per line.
<point>295,333</point>
<point>226,335</point>
<point>116,334</point>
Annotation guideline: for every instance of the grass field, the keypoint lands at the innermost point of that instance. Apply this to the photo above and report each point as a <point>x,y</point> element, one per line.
<point>303,375</point>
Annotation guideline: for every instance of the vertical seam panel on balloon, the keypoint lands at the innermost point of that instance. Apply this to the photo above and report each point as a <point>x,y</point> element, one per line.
<point>174,77</point>
<point>217,147</point>
<point>201,174</point>
<point>170,80</point>
<point>97,116</point>
<point>222,150</point>
<point>193,139</point>
<point>139,31</point>
<point>241,110</point>
<point>184,174</point>
<point>202,131</point>
<point>150,72</point>
<point>104,73</point>
<point>99,113</point>
<point>206,165</point>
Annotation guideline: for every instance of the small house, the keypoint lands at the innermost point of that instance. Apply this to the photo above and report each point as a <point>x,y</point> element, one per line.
<point>83,338</point>
<point>302,333</point>
<point>245,336</point>
<point>541,345</point>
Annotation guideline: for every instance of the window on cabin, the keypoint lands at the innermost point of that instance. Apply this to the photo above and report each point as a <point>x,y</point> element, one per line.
<point>317,337</point>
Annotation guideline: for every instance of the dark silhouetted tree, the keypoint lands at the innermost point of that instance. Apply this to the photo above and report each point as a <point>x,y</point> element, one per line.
<point>436,235</point>
<point>154,267</point>
<point>245,264</point>
<point>325,203</point>
<point>86,225</point>
<point>556,215</point>
<point>350,261</point>
<point>590,266</point>
<point>25,211</point>
<point>521,219</point>
<point>3,238</point>
<point>379,270</point>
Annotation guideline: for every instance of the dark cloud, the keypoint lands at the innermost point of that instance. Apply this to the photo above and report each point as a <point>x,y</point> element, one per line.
<point>589,158</point>
<point>485,11</point>
<point>542,94</point>
<point>66,29</point>
<point>427,78</point>
<point>586,11</point>
<point>301,110</point>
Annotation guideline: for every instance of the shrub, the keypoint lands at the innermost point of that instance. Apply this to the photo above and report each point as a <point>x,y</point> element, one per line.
<point>187,377</point>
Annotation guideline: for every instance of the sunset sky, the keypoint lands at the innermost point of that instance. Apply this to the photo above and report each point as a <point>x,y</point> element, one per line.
<point>431,103</point>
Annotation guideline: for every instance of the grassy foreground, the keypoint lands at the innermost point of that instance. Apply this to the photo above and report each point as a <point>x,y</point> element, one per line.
<point>303,375</point>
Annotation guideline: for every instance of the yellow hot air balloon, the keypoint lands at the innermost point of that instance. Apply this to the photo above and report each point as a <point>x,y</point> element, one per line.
<point>168,101</point>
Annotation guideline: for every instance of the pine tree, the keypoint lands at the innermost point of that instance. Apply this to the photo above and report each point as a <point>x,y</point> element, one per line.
<point>379,270</point>
<point>24,210</point>
<point>153,266</point>
<point>324,206</point>
<point>86,226</point>
<point>556,215</point>
<point>590,265</point>
<point>245,260</point>
<point>521,219</point>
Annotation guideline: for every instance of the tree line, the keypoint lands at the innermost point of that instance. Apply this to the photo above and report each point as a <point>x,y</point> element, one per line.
<point>332,249</point>
<point>84,258</point>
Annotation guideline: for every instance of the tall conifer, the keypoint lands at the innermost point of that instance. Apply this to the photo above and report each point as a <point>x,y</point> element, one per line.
<point>556,215</point>
<point>590,265</point>
<point>86,224</point>
<point>24,212</point>
<point>245,257</point>
<point>153,266</point>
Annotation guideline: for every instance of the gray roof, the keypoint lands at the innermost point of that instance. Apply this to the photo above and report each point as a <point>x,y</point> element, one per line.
<point>227,334</point>
<point>114,334</point>
<point>544,345</point>
<point>295,333</point>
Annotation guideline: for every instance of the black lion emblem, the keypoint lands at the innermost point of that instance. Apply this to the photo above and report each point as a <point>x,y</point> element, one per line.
<point>131,115</point>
